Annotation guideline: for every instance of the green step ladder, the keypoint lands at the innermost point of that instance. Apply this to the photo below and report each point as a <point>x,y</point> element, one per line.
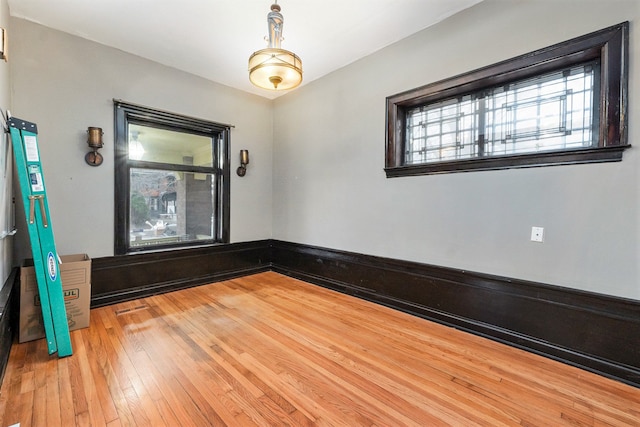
<point>24,137</point>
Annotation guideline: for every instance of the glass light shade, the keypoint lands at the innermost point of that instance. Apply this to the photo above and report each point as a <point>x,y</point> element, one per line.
<point>275,69</point>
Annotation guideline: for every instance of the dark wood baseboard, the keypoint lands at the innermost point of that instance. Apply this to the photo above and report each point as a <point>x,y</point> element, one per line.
<point>8,317</point>
<point>126,277</point>
<point>595,332</point>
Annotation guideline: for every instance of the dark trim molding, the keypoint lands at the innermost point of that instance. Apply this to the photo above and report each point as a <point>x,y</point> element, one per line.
<point>8,317</point>
<point>595,332</point>
<point>121,278</point>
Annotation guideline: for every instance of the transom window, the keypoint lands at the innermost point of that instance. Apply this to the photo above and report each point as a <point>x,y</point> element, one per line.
<point>550,112</point>
<point>564,104</point>
<point>172,180</point>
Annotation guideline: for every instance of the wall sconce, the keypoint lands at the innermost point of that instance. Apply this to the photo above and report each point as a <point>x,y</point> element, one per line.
<point>94,141</point>
<point>244,161</point>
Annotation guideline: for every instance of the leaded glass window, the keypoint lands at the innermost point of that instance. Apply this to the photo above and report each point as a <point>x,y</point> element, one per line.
<point>554,111</point>
<point>560,105</point>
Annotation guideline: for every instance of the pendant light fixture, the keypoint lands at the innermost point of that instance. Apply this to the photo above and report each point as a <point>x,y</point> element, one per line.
<point>275,68</point>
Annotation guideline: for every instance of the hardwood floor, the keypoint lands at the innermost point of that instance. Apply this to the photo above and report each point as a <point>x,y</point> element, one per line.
<point>269,350</point>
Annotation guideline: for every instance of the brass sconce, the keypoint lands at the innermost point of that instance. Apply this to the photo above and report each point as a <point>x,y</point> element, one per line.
<point>244,161</point>
<point>94,141</point>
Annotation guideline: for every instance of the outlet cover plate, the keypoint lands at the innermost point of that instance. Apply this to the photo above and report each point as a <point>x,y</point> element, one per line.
<point>537,234</point>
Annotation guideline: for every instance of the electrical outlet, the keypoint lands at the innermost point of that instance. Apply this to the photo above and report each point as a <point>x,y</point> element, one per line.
<point>537,234</point>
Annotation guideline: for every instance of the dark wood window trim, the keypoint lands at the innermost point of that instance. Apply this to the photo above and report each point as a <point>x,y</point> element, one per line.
<point>610,46</point>
<point>125,113</point>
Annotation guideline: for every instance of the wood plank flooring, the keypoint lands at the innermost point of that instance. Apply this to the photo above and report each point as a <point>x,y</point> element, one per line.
<point>269,350</point>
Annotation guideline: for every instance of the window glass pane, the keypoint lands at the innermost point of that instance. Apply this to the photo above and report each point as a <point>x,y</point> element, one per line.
<point>440,131</point>
<point>544,114</point>
<point>549,112</point>
<point>168,207</point>
<point>167,146</point>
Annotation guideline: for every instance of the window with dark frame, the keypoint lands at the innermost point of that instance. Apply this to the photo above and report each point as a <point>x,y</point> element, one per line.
<point>564,104</point>
<point>171,180</point>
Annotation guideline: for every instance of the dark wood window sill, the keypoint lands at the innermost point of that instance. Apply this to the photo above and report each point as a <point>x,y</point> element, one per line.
<point>569,157</point>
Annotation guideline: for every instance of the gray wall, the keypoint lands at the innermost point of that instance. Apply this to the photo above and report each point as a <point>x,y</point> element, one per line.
<point>65,84</point>
<point>326,185</point>
<point>330,188</point>
<point>6,163</point>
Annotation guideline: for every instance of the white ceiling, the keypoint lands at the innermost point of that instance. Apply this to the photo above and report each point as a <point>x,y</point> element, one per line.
<point>214,38</point>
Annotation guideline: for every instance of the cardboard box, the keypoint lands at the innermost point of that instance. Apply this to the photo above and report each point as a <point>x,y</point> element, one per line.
<point>75,273</point>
